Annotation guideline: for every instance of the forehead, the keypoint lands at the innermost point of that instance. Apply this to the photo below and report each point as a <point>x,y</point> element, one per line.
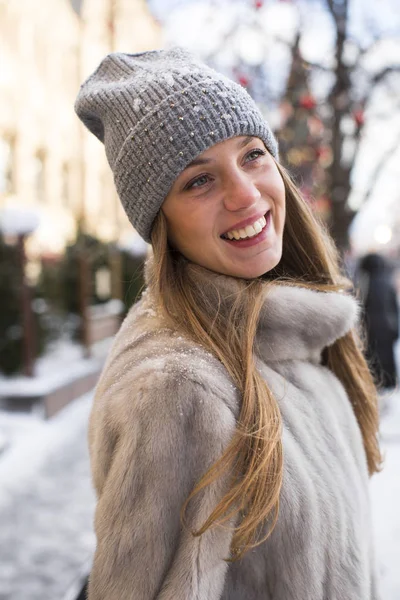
<point>233,145</point>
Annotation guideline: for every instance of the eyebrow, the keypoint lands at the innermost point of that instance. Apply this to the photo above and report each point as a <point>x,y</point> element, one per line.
<point>204,161</point>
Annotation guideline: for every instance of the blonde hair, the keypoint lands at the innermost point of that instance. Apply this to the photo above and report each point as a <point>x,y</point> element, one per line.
<point>254,458</point>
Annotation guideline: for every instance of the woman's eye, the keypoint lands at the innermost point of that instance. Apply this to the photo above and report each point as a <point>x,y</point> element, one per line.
<point>254,154</point>
<point>198,182</point>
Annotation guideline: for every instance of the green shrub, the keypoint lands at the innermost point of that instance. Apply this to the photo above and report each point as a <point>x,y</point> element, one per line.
<point>11,328</point>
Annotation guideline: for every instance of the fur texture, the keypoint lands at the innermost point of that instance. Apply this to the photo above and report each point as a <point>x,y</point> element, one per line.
<point>163,413</point>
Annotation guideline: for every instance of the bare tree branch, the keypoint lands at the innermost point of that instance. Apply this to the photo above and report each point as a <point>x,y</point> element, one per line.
<point>377,79</point>
<point>382,74</point>
<point>317,66</point>
<point>331,7</point>
<point>339,14</point>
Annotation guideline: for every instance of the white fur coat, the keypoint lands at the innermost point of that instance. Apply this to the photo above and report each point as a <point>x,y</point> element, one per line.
<point>165,410</point>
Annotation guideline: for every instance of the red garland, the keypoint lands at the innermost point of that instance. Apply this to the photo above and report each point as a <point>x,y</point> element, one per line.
<point>307,101</point>
<point>243,80</point>
<point>359,117</point>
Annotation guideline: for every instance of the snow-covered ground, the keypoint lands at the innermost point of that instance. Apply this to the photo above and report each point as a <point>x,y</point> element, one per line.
<point>46,507</point>
<point>385,496</point>
<point>47,503</point>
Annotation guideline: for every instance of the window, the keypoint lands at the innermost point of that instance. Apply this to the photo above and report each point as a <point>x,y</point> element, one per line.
<point>65,185</point>
<point>7,166</point>
<point>39,176</point>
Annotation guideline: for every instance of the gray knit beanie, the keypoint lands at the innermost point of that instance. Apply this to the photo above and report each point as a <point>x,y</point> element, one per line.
<point>156,112</point>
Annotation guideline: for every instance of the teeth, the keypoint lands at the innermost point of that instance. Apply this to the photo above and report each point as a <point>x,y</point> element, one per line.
<point>249,231</point>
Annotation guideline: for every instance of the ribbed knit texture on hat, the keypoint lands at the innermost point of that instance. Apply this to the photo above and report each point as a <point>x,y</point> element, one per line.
<point>156,112</point>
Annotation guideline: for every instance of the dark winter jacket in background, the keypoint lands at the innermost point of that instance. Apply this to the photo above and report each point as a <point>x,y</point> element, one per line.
<point>165,410</point>
<point>381,315</point>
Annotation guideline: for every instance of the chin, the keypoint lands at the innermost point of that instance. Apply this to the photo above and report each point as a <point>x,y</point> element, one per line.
<point>251,271</point>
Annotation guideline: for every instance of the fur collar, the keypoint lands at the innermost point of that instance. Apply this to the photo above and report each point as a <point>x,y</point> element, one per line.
<point>296,323</point>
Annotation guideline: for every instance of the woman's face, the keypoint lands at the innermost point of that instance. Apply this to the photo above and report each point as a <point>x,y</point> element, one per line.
<point>226,210</point>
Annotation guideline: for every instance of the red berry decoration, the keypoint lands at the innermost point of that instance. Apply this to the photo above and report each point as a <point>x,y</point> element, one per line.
<point>243,80</point>
<point>307,101</point>
<point>324,155</point>
<point>259,3</point>
<point>359,117</point>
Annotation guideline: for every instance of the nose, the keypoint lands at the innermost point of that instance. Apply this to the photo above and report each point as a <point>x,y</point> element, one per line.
<point>240,192</point>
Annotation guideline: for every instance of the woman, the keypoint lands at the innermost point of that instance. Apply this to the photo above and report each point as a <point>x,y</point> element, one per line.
<point>235,422</point>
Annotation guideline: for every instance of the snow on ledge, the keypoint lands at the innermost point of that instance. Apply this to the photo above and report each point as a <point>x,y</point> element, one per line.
<point>63,364</point>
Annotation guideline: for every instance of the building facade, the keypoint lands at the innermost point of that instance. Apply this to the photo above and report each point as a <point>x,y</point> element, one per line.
<point>48,162</point>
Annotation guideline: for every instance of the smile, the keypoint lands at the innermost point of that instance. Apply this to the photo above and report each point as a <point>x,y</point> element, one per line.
<point>250,231</point>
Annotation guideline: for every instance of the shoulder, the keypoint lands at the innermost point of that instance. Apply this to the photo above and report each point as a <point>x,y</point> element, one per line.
<point>155,374</point>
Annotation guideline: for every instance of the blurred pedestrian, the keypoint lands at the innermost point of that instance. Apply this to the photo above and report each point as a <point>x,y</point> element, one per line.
<point>381,316</point>
<point>234,425</point>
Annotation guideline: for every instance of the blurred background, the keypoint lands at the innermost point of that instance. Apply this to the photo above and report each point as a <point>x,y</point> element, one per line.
<point>326,75</point>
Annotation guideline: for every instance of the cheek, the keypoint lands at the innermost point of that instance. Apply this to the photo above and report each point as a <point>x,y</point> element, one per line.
<point>279,186</point>
<point>196,223</point>
<point>279,194</point>
<point>282,202</point>
<point>273,186</point>
<point>173,220</point>
<point>188,230</point>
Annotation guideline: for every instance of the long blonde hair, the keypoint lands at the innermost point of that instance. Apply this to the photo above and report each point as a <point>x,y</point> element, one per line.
<point>254,458</point>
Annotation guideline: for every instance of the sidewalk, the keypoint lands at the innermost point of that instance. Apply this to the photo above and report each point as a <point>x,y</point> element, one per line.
<point>46,507</point>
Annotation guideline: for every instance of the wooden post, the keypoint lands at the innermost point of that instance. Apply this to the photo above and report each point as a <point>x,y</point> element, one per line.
<point>28,340</point>
<point>84,282</point>
<point>115,262</point>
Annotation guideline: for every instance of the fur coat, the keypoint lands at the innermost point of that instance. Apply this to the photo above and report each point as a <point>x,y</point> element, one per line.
<point>165,410</point>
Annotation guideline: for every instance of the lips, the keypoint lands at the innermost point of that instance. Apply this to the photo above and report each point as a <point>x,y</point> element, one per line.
<point>247,232</point>
<point>247,229</point>
<point>254,239</point>
<point>243,224</point>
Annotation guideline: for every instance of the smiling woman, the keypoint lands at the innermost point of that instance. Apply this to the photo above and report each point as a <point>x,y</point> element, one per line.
<point>234,425</point>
